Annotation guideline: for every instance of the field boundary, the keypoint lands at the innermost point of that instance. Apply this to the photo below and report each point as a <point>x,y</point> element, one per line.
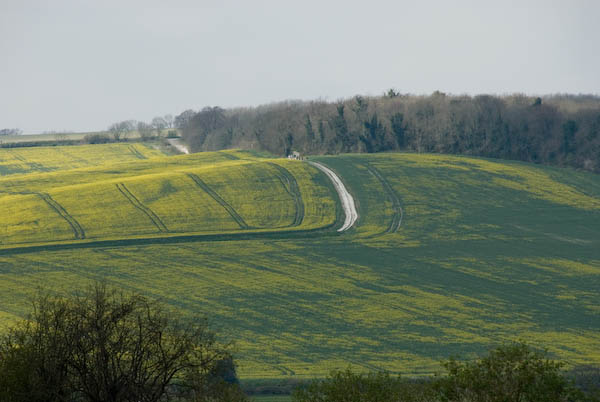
<point>398,211</point>
<point>232,212</point>
<point>147,211</point>
<point>173,239</point>
<point>291,186</point>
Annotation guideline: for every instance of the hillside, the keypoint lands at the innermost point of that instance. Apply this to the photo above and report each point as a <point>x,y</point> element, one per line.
<point>118,198</point>
<point>449,256</point>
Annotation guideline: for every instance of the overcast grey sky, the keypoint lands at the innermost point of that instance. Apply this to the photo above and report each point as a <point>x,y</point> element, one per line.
<point>81,65</point>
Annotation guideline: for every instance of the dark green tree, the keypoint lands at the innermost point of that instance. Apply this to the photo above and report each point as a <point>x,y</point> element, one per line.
<point>374,135</point>
<point>310,133</point>
<point>509,373</point>
<point>346,386</point>
<point>569,129</point>
<point>398,128</point>
<point>107,346</point>
<point>340,127</point>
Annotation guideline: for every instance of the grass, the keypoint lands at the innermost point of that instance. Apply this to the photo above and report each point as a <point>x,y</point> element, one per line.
<point>486,252</point>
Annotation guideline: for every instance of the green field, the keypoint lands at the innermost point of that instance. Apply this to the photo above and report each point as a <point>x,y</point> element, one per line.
<point>450,255</point>
<point>271,398</point>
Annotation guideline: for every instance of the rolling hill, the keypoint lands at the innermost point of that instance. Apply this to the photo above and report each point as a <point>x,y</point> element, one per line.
<point>449,255</point>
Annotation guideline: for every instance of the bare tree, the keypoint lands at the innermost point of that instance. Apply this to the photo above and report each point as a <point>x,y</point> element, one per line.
<point>182,119</point>
<point>121,129</point>
<point>168,120</point>
<point>159,124</point>
<point>11,131</point>
<point>145,130</point>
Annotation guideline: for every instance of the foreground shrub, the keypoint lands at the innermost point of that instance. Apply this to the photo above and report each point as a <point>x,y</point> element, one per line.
<point>587,379</point>
<point>510,373</point>
<point>346,386</point>
<point>108,346</point>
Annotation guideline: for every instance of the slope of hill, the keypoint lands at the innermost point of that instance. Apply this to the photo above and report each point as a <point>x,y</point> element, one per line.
<point>213,193</point>
<point>46,159</point>
<point>449,255</point>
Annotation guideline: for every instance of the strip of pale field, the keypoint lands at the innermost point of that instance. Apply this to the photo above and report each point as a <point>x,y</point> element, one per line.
<point>487,252</point>
<point>46,159</point>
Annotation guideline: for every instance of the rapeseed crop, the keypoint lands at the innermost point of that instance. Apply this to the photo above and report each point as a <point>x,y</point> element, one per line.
<point>214,193</point>
<point>45,159</point>
<point>485,252</point>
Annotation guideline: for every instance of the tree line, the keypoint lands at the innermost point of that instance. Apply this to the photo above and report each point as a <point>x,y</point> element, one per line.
<point>10,131</point>
<point>121,129</point>
<point>561,130</point>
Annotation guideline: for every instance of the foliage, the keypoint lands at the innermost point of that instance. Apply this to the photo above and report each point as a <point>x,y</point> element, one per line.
<point>145,130</point>
<point>159,124</point>
<point>182,119</point>
<point>346,386</point>
<point>96,138</point>
<point>10,131</point>
<point>558,130</point>
<point>587,379</point>
<point>120,129</point>
<point>509,373</point>
<point>108,346</point>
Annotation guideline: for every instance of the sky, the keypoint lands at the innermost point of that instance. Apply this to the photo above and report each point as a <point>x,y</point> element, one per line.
<point>80,65</point>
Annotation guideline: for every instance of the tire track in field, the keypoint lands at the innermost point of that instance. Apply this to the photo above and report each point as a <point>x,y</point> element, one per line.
<point>56,207</point>
<point>136,153</point>
<point>398,212</point>
<point>31,165</point>
<point>59,209</point>
<point>232,212</point>
<point>19,157</point>
<point>290,184</point>
<point>229,156</point>
<point>147,211</point>
<point>34,166</point>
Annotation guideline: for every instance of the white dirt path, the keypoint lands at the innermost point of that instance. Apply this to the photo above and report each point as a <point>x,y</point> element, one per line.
<point>347,200</point>
<point>175,142</point>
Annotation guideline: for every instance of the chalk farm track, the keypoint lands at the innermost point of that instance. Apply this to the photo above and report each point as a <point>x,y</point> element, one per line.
<point>445,255</point>
<point>345,198</point>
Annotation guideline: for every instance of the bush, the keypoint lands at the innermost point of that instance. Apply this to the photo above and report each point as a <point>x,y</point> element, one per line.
<point>108,346</point>
<point>346,386</point>
<point>96,138</point>
<point>510,373</point>
<point>587,379</point>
